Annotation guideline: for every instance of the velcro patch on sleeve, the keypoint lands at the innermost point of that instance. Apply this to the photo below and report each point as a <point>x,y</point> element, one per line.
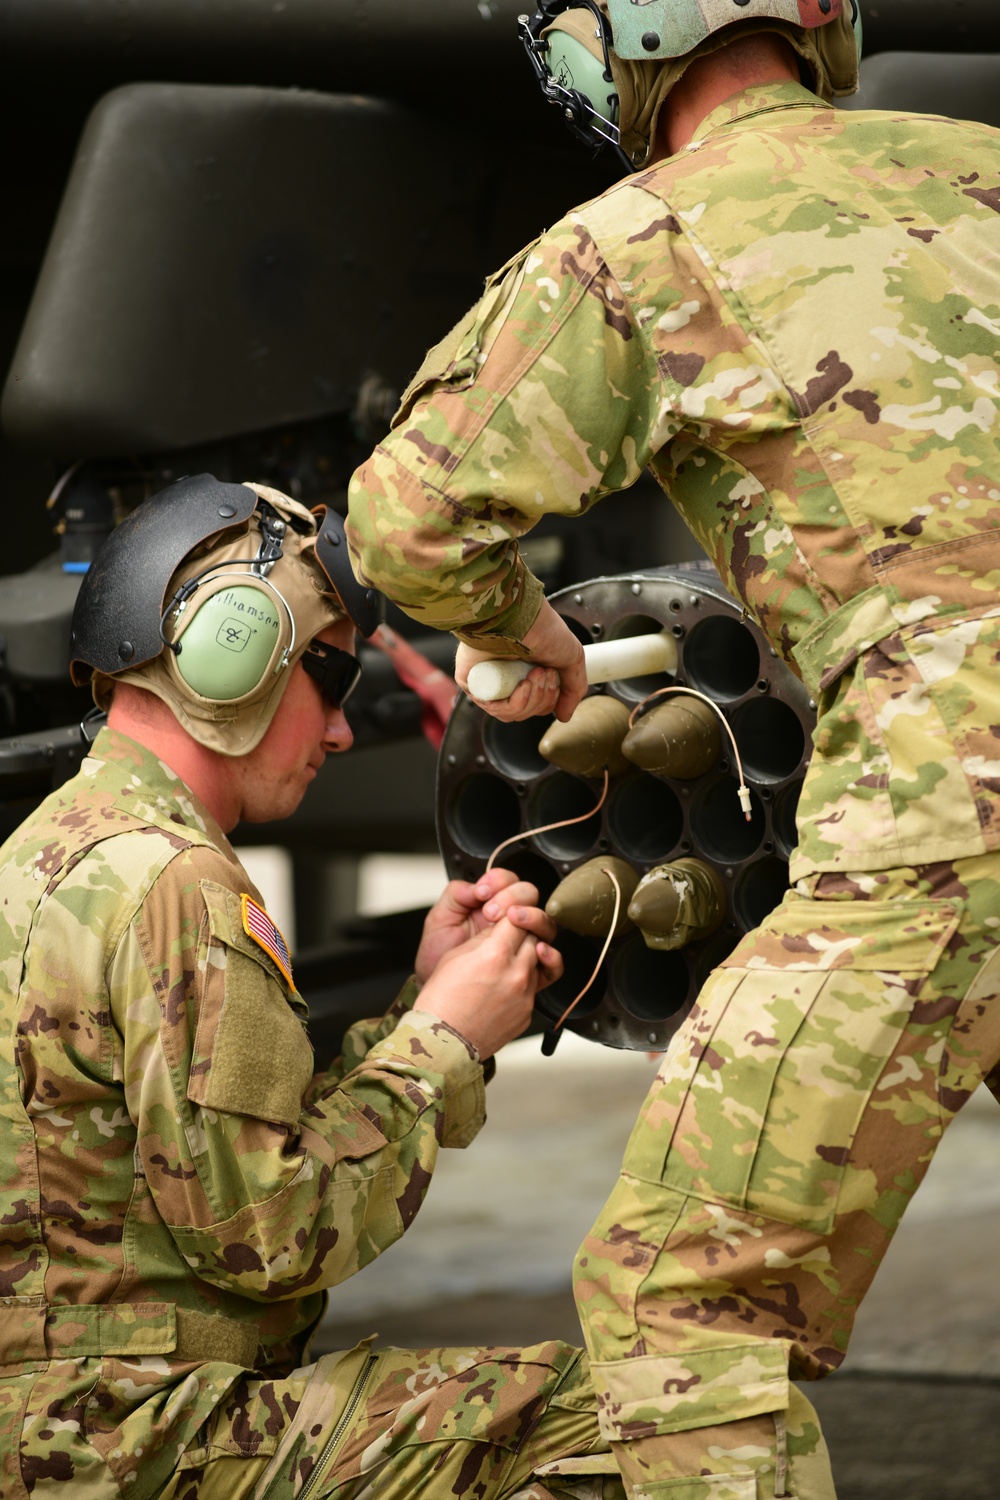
<point>258,926</point>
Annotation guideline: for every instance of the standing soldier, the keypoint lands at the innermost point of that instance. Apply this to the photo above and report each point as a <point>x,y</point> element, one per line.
<point>792,316</point>
<point>176,1187</point>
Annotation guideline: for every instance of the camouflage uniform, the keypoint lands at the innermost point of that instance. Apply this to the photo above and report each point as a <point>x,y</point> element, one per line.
<point>795,323</point>
<point>177,1189</point>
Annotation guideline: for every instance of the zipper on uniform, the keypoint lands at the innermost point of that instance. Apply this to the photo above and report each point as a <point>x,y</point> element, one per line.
<point>341,1427</point>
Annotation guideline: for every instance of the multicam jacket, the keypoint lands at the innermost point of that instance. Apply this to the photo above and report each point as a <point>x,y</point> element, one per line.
<point>176,1187</point>
<point>795,322</point>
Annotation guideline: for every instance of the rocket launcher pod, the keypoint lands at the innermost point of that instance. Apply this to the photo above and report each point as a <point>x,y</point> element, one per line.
<point>592,740</point>
<point>679,738</point>
<point>606,661</point>
<point>585,901</point>
<point>678,903</point>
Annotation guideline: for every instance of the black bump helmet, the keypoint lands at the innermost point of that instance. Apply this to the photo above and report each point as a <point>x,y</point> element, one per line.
<point>205,594</point>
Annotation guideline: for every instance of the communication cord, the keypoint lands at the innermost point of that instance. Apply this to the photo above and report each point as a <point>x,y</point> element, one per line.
<point>547,828</point>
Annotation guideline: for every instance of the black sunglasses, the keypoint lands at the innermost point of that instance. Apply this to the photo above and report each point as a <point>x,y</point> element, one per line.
<point>336,671</point>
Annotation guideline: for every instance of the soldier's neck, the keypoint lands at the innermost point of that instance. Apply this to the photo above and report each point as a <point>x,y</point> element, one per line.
<point>711,80</point>
<point>148,721</point>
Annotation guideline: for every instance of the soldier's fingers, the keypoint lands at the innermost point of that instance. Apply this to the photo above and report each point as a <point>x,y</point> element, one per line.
<point>572,689</point>
<point>550,965</point>
<point>458,898</point>
<point>512,941</point>
<point>494,881</point>
<point>532,919</point>
<point>542,684</point>
<point>521,893</point>
<point>536,694</point>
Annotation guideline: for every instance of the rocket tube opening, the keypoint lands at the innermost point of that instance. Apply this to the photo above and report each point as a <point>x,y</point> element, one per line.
<point>578,628</point>
<point>651,985</point>
<point>771,739</point>
<point>713,952</point>
<point>645,820</point>
<point>564,796</point>
<point>633,689</point>
<point>482,812</point>
<point>531,867</point>
<point>721,658</point>
<point>718,827</point>
<point>758,891</point>
<point>579,955</point>
<point>513,748</point>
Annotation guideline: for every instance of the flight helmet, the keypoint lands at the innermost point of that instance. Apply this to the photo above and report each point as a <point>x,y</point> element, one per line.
<point>207,595</point>
<point>638,49</point>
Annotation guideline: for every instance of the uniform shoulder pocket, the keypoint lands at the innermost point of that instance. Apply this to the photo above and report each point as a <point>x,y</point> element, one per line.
<point>455,360</point>
<point>251,1052</point>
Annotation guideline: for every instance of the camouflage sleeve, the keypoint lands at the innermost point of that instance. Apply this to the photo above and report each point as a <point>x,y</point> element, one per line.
<point>267,1195</point>
<point>541,401</point>
<point>360,1038</point>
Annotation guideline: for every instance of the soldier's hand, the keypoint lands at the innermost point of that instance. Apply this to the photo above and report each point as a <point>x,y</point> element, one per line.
<point>556,683</point>
<point>466,909</point>
<point>486,987</point>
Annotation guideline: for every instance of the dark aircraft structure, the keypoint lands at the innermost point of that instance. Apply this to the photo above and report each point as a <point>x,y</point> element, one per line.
<point>232,231</point>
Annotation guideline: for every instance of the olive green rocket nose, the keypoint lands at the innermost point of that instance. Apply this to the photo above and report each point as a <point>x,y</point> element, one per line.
<point>678,903</point>
<point>680,738</point>
<point>585,901</point>
<point>592,740</point>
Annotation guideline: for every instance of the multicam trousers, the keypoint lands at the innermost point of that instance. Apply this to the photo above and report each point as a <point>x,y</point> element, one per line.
<point>393,1424</point>
<point>486,1424</point>
<point>793,1119</point>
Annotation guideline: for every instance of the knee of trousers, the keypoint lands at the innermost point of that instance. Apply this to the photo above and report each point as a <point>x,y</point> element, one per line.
<point>655,1394</point>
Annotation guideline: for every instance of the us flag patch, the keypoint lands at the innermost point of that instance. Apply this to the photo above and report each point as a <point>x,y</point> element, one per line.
<point>258,925</point>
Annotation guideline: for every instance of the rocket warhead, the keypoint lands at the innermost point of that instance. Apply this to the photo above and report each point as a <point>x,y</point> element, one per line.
<point>679,738</point>
<point>678,903</point>
<point>585,901</point>
<point>592,740</point>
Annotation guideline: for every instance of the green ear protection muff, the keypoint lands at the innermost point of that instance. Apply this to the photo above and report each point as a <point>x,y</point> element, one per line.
<point>243,632</point>
<point>575,70</point>
<point>230,645</point>
<point>570,73</point>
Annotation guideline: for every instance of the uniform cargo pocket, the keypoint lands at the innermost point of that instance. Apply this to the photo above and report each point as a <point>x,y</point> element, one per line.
<point>701,1487</point>
<point>760,1098</point>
